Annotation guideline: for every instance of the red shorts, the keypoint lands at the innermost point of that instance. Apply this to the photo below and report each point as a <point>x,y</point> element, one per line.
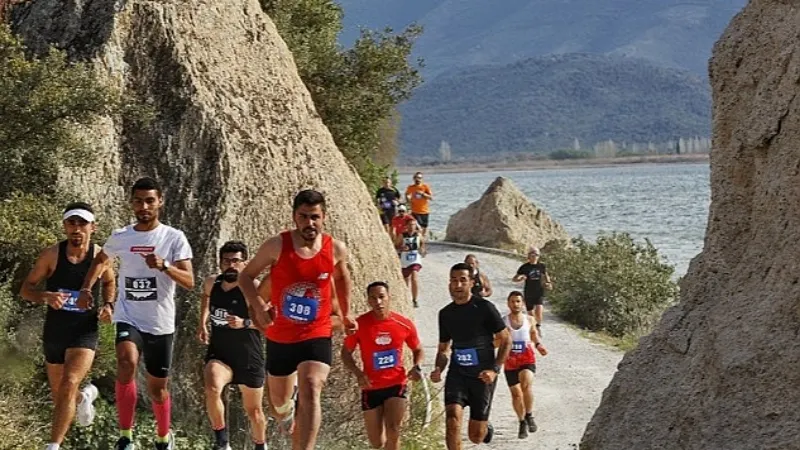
<point>412,268</point>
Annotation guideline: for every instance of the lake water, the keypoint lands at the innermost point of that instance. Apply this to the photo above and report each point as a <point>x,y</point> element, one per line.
<point>667,203</point>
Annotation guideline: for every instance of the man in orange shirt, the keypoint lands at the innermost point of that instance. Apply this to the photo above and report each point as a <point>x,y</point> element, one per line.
<point>419,195</point>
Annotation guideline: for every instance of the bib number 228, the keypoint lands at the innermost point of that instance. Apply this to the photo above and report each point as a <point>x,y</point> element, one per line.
<point>385,359</point>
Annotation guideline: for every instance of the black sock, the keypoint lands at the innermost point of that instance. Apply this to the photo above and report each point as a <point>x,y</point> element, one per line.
<point>527,415</point>
<point>260,446</point>
<point>221,436</point>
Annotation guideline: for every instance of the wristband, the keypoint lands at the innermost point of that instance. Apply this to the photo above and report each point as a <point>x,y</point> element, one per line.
<point>247,323</point>
<point>417,368</point>
<point>538,344</point>
<point>496,369</point>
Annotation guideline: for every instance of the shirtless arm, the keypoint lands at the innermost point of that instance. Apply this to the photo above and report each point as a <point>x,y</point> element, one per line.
<point>267,256</point>
<point>106,310</point>
<point>537,343</point>
<point>43,267</point>
<point>442,359</point>
<point>205,310</point>
<point>343,285</point>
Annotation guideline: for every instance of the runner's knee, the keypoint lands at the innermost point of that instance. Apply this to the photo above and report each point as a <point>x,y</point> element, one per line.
<point>314,385</point>
<point>126,368</point>
<point>69,384</point>
<point>255,413</point>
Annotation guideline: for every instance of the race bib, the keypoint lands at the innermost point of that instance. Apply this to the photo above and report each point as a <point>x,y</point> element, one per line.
<point>300,309</point>
<point>517,346</point>
<point>411,256</point>
<point>219,317</point>
<point>387,205</point>
<point>466,357</point>
<point>386,359</point>
<point>141,289</point>
<point>70,304</point>
<point>418,195</point>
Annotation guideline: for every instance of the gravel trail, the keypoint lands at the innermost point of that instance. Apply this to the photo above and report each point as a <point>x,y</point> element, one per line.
<point>569,381</point>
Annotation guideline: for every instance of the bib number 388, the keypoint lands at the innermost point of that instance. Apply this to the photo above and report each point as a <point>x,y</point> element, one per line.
<point>466,357</point>
<point>300,309</point>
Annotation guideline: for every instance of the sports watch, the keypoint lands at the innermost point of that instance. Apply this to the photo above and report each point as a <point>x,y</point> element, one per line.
<point>165,265</point>
<point>496,369</point>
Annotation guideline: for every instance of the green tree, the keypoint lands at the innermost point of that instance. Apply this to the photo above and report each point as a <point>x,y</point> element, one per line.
<point>615,285</point>
<point>355,90</point>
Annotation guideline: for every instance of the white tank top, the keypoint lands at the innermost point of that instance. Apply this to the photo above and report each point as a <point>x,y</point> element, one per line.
<point>412,256</point>
<point>523,333</point>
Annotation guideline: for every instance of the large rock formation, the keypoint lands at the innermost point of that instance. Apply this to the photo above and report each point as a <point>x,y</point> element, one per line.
<point>504,218</point>
<point>235,133</point>
<point>720,370</point>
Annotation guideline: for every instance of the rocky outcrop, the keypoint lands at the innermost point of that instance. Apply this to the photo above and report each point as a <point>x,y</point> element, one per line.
<point>504,218</point>
<point>235,133</point>
<point>720,370</point>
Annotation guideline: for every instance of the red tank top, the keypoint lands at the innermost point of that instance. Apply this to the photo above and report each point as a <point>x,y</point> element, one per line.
<point>301,293</point>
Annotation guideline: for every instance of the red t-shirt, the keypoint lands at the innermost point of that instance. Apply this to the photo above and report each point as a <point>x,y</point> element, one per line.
<point>301,293</point>
<point>399,223</point>
<point>381,347</point>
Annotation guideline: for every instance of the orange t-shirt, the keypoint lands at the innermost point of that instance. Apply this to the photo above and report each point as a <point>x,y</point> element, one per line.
<point>419,204</point>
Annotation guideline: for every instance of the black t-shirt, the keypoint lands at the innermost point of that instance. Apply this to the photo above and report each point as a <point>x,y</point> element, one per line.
<point>534,274</point>
<point>231,302</point>
<point>471,328</point>
<point>387,197</point>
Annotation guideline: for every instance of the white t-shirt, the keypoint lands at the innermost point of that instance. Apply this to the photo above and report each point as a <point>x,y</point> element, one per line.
<point>146,297</point>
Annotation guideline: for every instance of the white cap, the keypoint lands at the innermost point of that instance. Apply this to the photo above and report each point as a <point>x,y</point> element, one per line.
<point>533,249</point>
<point>401,208</point>
<point>82,213</point>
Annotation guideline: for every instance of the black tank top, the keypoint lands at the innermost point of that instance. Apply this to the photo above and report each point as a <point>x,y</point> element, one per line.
<point>477,286</point>
<point>221,304</point>
<point>68,277</point>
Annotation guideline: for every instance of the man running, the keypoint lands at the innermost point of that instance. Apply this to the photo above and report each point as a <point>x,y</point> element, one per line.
<point>399,221</point>
<point>380,337</point>
<point>70,329</point>
<point>154,258</point>
<point>536,280</point>
<point>419,195</point>
<point>521,363</point>
<point>412,248</point>
<point>470,325</point>
<point>481,286</point>
<point>303,263</point>
<point>387,199</point>
<point>235,348</point>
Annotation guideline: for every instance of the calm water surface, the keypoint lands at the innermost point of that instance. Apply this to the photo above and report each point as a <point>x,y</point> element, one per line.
<point>666,203</point>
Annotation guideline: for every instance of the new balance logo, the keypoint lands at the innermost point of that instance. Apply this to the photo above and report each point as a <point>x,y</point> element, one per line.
<point>323,276</point>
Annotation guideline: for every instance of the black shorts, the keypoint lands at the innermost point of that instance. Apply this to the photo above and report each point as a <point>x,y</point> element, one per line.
<point>242,352</point>
<point>386,216</point>
<point>157,348</point>
<point>374,398</point>
<point>512,376</point>
<point>469,391</point>
<point>532,300</point>
<point>422,219</point>
<point>55,348</point>
<point>283,359</point>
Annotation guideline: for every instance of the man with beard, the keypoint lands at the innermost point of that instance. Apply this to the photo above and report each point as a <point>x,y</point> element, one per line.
<point>235,348</point>
<point>481,286</point>
<point>70,329</point>
<point>154,258</point>
<point>304,266</point>
<point>387,199</point>
<point>470,325</point>
<point>420,195</point>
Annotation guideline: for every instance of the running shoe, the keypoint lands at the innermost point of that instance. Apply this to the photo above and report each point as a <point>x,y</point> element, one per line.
<point>85,408</point>
<point>220,446</point>
<point>523,430</point>
<point>169,445</point>
<point>124,444</point>
<point>531,424</point>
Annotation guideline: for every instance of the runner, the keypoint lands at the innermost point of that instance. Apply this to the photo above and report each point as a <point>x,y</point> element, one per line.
<point>419,195</point>
<point>303,264</point>
<point>154,258</point>
<point>235,349</point>
<point>412,249</point>
<point>399,221</point>
<point>70,329</point>
<point>536,280</point>
<point>481,286</point>
<point>380,336</point>
<point>387,199</point>
<point>521,363</point>
<point>470,324</point>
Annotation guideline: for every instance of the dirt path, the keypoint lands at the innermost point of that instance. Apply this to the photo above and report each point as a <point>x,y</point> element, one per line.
<point>569,381</point>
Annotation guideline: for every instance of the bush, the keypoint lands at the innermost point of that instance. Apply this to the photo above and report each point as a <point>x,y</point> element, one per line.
<point>560,155</point>
<point>616,285</point>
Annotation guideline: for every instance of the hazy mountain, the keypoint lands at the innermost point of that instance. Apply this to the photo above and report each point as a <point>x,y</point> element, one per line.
<point>544,103</point>
<point>459,33</point>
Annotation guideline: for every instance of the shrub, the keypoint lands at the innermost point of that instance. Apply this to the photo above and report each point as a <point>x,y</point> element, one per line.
<point>615,285</point>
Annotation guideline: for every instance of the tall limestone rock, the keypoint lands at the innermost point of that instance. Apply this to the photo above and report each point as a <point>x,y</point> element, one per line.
<point>235,136</point>
<point>504,218</point>
<point>721,369</point>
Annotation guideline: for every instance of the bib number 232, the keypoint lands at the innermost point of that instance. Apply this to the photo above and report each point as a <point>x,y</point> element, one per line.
<point>300,309</point>
<point>466,357</point>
